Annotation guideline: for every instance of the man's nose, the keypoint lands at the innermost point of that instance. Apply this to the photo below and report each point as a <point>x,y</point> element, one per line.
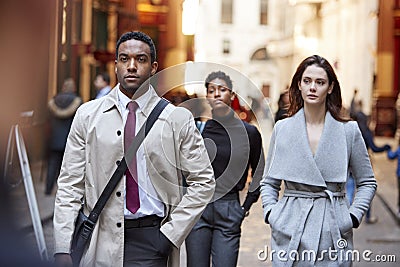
<point>132,64</point>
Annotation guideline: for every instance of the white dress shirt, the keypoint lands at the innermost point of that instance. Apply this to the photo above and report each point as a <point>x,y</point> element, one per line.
<point>149,203</point>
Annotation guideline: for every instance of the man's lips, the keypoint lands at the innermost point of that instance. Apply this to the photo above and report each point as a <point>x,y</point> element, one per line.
<point>131,77</point>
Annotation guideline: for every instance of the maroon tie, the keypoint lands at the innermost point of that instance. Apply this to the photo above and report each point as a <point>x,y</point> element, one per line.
<point>132,189</point>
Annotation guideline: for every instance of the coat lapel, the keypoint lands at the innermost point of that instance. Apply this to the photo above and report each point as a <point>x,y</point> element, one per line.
<point>146,103</point>
<point>331,155</point>
<point>292,159</point>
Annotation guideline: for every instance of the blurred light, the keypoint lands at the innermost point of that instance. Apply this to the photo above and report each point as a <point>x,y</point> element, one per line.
<point>243,115</point>
<point>189,16</point>
<point>191,88</point>
<point>193,84</point>
<point>307,44</point>
<point>299,2</point>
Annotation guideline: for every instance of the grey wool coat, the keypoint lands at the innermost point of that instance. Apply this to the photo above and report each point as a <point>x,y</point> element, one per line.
<point>312,223</point>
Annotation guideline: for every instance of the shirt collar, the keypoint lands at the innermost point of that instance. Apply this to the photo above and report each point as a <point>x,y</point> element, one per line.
<point>141,101</point>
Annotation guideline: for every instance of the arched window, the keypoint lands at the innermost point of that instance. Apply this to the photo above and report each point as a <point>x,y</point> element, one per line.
<point>260,54</point>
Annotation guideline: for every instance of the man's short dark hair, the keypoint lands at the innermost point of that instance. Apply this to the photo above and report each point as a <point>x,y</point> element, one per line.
<point>140,36</point>
<point>221,75</point>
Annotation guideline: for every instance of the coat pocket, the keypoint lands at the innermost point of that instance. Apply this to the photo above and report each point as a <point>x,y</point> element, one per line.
<point>275,212</point>
<point>345,222</point>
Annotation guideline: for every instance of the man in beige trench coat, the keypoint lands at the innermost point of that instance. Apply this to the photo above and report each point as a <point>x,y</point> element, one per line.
<point>94,147</point>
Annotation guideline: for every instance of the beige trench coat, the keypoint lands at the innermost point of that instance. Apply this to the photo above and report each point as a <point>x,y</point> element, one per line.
<point>94,146</point>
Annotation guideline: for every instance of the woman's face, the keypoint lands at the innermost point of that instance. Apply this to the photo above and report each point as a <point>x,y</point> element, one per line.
<point>314,86</point>
<point>219,95</point>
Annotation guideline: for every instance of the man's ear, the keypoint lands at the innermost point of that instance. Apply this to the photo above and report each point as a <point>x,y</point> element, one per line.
<point>154,67</point>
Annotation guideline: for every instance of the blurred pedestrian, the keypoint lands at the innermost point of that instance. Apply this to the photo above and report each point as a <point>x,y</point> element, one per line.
<point>393,155</point>
<point>354,106</point>
<point>233,146</point>
<point>200,108</point>
<point>283,105</point>
<point>368,136</point>
<point>62,109</point>
<point>102,84</point>
<point>147,217</point>
<point>312,151</point>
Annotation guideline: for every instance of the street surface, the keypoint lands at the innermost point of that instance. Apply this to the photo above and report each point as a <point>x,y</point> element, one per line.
<point>380,241</point>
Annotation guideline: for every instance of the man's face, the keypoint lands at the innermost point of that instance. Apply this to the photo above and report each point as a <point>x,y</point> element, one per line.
<point>133,66</point>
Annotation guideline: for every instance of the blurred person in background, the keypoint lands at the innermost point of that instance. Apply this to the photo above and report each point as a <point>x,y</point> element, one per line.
<point>368,137</point>
<point>283,105</point>
<point>102,84</point>
<point>200,108</point>
<point>311,151</point>
<point>234,146</point>
<point>393,155</point>
<point>354,106</point>
<point>62,109</point>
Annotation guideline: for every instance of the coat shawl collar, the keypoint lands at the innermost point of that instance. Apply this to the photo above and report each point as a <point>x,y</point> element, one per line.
<point>292,159</point>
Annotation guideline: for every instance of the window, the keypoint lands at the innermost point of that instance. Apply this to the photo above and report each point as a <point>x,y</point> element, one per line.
<point>265,89</point>
<point>263,12</point>
<point>226,11</point>
<point>260,54</point>
<point>226,46</point>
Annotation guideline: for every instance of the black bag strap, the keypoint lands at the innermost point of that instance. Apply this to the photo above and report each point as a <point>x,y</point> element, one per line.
<point>120,171</point>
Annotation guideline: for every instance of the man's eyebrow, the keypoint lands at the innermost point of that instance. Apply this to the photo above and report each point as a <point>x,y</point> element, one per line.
<point>142,55</point>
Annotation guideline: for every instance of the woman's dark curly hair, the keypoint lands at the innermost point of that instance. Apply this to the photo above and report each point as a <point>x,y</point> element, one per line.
<point>220,75</point>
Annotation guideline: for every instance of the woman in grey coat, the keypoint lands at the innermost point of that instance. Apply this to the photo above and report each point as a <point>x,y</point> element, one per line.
<point>312,151</point>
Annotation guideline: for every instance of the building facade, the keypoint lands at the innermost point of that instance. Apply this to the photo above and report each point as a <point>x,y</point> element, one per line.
<point>265,40</point>
<point>268,41</point>
<point>235,33</point>
<point>73,38</point>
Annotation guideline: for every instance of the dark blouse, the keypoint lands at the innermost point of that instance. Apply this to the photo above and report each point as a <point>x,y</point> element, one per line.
<point>233,146</point>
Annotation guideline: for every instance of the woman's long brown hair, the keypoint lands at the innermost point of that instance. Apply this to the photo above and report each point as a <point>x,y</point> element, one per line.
<point>333,100</point>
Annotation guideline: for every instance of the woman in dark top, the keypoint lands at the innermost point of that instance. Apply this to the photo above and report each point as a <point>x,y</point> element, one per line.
<point>233,146</point>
